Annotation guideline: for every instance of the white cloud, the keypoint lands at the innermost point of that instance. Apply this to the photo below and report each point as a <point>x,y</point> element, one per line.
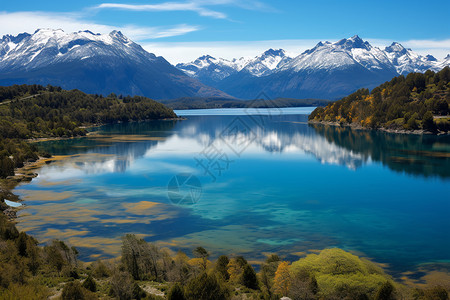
<point>197,6</point>
<point>167,6</point>
<point>18,22</point>
<point>176,52</point>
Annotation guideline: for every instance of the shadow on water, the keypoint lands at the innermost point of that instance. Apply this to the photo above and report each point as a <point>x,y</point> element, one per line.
<point>162,129</point>
<point>417,155</point>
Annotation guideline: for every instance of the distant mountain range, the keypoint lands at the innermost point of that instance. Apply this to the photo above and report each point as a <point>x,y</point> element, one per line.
<point>327,71</point>
<point>211,70</point>
<point>102,64</point>
<point>94,63</point>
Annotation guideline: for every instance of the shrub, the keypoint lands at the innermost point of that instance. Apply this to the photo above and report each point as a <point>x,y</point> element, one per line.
<point>340,274</point>
<point>31,292</point>
<point>122,285</point>
<point>72,291</point>
<point>90,284</point>
<point>385,292</point>
<point>176,293</point>
<point>205,287</point>
<point>99,270</point>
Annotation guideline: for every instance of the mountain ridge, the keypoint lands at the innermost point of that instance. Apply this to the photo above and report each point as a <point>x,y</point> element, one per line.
<point>94,63</point>
<point>328,70</point>
<point>105,63</point>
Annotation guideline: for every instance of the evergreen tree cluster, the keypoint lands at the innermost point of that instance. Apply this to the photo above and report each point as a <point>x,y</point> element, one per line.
<point>8,93</point>
<point>417,101</point>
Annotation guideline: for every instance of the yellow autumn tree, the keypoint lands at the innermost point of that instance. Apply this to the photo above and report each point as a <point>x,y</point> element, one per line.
<point>234,269</point>
<point>282,279</point>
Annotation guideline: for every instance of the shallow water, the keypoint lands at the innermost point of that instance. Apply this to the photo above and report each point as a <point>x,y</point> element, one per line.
<point>247,184</point>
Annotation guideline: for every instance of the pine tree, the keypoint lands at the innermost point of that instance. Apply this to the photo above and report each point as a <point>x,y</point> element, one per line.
<point>249,278</point>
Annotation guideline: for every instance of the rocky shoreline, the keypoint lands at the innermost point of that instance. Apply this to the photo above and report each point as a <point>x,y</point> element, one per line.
<point>23,174</point>
<point>384,129</point>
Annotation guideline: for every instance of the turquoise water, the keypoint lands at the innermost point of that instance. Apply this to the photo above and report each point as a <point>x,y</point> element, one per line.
<point>249,183</point>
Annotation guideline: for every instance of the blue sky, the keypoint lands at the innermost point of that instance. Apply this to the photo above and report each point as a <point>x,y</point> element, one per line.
<point>184,29</point>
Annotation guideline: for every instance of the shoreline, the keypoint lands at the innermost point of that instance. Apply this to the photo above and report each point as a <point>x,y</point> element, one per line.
<point>26,173</point>
<point>382,129</point>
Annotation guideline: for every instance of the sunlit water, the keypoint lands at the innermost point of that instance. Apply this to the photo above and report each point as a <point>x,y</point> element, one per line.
<point>249,184</point>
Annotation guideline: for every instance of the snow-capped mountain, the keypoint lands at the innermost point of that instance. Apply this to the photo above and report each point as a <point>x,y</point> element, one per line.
<point>266,63</point>
<point>339,55</point>
<point>94,63</point>
<point>445,62</point>
<point>406,61</point>
<point>107,63</point>
<point>329,70</point>
<point>211,70</point>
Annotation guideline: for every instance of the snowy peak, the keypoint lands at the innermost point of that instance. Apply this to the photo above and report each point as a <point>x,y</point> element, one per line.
<point>205,61</point>
<point>396,48</point>
<point>210,70</point>
<point>220,68</point>
<point>94,63</point>
<point>430,58</point>
<point>48,46</point>
<point>14,39</point>
<point>407,61</point>
<point>353,42</point>
<point>266,63</point>
<point>329,70</point>
<point>343,54</point>
<point>206,57</point>
<point>445,62</point>
<point>272,52</point>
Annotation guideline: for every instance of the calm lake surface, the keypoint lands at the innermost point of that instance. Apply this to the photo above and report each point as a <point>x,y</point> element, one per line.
<point>249,183</point>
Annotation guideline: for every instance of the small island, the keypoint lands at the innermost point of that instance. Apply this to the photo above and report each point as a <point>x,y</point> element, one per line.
<point>417,103</point>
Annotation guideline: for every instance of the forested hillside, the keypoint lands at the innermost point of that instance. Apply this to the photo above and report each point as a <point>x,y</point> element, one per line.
<point>32,111</point>
<point>417,101</point>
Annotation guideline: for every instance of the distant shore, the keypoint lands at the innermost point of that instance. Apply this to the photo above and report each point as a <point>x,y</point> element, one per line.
<point>388,130</point>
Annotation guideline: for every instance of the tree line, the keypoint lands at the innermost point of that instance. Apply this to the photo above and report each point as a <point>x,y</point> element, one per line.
<point>408,103</point>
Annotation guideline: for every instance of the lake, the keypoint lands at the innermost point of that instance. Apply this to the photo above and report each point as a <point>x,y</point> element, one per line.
<point>247,182</point>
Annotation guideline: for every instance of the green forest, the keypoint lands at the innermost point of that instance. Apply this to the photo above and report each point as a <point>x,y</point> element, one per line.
<point>146,271</point>
<point>35,111</point>
<point>415,102</point>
